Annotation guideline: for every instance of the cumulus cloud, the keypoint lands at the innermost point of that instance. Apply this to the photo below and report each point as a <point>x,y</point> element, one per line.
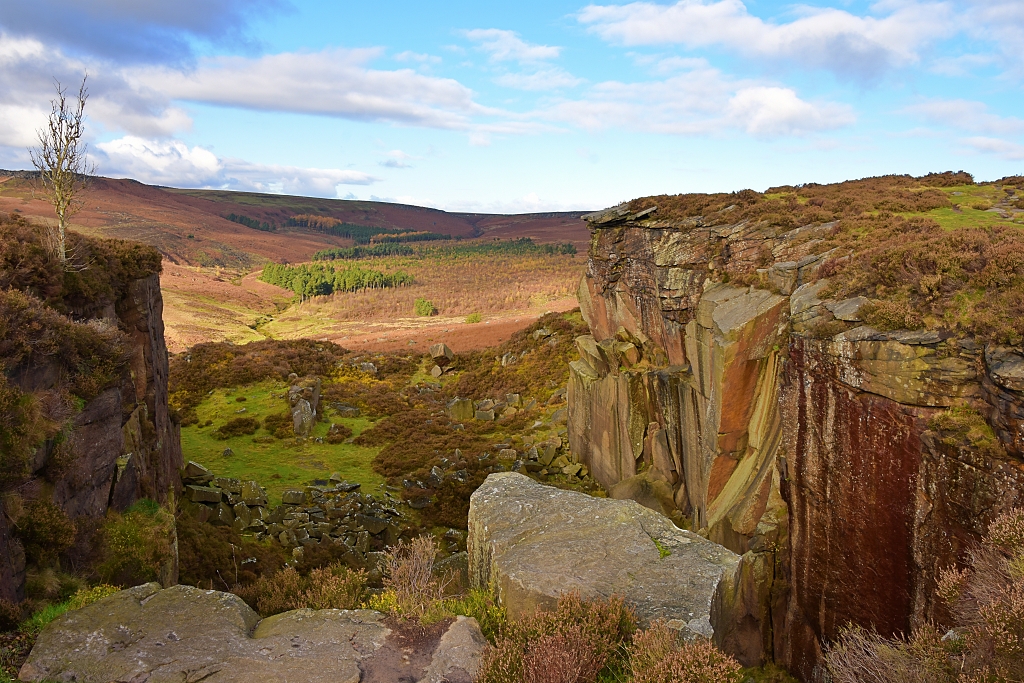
<point>966,115</point>
<point>28,69</point>
<point>127,30</point>
<point>1011,151</point>
<point>172,162</point>
<point>836,40</point>
<point>334,82</point>
<point>700,101</point>
<point>507,45</point>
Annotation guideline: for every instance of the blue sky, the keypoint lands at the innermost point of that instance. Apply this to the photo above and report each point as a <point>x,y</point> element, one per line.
<point>525,106</point>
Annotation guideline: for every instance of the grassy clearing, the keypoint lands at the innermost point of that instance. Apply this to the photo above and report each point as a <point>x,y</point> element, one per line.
<point>277,464</point>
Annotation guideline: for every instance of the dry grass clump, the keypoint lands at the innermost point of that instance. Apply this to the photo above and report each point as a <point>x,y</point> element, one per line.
<point>986,600</point>
<point>410,576</point>
<point>656,656</point>
<point>571,644</point>
<point>332,587</point>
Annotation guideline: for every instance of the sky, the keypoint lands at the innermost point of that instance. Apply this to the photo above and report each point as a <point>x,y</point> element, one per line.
<point>525,106</point>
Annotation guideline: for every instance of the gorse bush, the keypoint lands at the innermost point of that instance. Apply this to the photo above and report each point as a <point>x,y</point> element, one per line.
<point>986,600</point>
<point>423,307</point>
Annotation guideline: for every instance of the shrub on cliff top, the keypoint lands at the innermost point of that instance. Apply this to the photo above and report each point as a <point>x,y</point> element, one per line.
<point>107,267</point>
<point>969,279</point>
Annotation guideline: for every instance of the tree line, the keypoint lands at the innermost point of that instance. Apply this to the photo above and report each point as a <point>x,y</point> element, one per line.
<point>253,223</point>
<point>320,279</point>
<point>358,252</point>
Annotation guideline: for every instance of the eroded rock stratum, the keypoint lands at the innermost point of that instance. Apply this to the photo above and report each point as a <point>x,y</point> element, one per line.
<point>188,634</point>
<point>770,419</point>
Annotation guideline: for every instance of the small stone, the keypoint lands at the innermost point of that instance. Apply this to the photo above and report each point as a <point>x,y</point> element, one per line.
<point>436,371</point>
<point>485,415</point>
<point>227,453</point>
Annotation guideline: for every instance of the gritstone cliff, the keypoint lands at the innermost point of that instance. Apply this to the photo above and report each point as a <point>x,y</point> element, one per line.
<point>725,385</point>
<point>85,377</point>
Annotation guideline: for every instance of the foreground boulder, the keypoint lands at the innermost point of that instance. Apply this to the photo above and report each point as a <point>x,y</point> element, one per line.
<point>535,542</point>
<point>188,634</point>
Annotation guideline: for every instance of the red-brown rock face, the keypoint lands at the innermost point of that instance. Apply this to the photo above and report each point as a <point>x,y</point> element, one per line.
<point>814,458</point>
<point>123,443</point>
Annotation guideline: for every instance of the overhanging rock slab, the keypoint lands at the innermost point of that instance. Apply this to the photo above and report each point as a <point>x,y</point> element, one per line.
<point>535,542</point>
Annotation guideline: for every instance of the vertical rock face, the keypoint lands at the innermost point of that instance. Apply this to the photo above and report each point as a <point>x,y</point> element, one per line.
<point>122,445</point>
<point>811,454</point>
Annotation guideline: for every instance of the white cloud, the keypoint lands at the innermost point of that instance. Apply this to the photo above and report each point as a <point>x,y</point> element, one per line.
<point>163,162</point>
<point>699,102</point>
<point>27,72</point>
<point>772,111</point>
<point>554,78</point>
<point>128,31</point>
<point>1001,21</point>
<point>966,115</point>
<point>332,82</point>
<point>828,38</point>
<point>409,56</point>
<point>397,159</point>
<point>1011,151</point>
<point>507,45</point>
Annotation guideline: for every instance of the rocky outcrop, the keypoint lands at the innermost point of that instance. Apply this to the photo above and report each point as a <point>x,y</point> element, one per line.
<point>188,634</point>
<point>122,444</point>
<point>533,543</point>
<point>771,420</point>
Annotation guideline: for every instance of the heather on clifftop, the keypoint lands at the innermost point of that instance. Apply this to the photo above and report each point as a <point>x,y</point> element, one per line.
<point>938,251</point>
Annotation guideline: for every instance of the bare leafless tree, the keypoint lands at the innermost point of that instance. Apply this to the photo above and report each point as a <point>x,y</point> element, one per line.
<point>63,163</point>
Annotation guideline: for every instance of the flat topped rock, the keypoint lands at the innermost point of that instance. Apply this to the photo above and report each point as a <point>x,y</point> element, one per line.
<point>188,634</point>
<point>537,542</point>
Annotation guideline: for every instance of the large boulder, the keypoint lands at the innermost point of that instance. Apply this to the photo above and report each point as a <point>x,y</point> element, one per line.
<point>188,634</point>
<point>536,542</point>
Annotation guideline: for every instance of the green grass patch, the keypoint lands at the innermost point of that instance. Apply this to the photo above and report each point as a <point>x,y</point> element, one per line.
<point>965,217</point>
<point>663,552</point>
<point>277,464</point>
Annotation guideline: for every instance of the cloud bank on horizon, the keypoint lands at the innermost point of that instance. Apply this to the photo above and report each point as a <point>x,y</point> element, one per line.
<point>542,106</point>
